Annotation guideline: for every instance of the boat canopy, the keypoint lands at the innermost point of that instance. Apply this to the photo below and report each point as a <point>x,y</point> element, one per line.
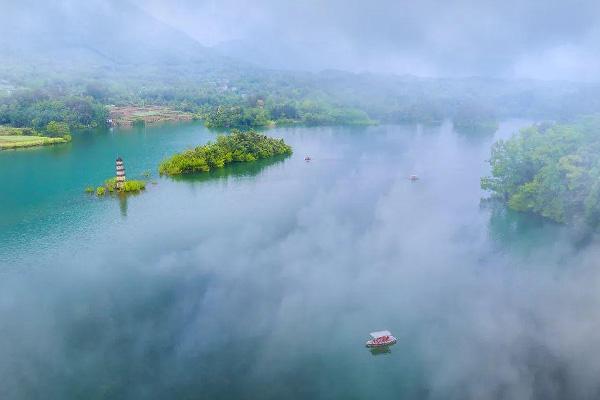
<point>379,334</point>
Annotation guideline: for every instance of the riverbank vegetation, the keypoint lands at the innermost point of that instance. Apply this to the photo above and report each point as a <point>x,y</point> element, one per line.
<point>17,142</point>
<point>36,108</point>
<point>552,170</point>
<point>15,138</point>
<point>236,147</point>
<point>258,99</point>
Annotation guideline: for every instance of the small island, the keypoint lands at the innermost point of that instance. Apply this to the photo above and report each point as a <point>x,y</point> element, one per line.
<point>119,183</point>
<point>236,147</point>
<point>110,186</point>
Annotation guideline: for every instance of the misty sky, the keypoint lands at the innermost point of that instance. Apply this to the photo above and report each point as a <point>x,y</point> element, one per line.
<point>534,39</point>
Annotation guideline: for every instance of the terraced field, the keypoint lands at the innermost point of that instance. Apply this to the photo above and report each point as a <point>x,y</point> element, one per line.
<point>131,115</point>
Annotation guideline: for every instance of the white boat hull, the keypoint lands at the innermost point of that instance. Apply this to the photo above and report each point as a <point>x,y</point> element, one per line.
<point>381,343</point>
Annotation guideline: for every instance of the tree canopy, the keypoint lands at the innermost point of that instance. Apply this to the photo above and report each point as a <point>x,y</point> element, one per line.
<point>550,169</point>
<point>57,129</point>
<point>236,147</point>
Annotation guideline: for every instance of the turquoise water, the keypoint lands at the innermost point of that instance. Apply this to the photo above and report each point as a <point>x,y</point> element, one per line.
<point>43,187</point>
<point>263,280</point>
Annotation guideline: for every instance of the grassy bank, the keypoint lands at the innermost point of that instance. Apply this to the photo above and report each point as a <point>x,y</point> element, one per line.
<point>17,141</point>
<point>15,138</point>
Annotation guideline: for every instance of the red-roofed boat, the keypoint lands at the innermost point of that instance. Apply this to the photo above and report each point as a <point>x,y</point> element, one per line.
<point>381,339</point>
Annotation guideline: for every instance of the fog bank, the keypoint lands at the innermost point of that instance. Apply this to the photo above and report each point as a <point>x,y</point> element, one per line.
<point>511,39</point>
<point>268,285</point>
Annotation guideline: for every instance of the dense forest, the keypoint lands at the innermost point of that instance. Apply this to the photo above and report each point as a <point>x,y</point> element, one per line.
<point>256,99</point>
<point>550,169</point>
<point>52,112</point>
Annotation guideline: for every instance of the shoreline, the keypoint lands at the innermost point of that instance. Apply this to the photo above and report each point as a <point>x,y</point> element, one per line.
<point>23,142</point>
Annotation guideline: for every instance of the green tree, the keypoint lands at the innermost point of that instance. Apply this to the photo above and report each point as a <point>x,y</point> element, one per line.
<point>237,147</point>
<point>550,170</point>
<point>58,129</point>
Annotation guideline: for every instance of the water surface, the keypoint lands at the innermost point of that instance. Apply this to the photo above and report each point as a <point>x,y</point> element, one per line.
<point>263,280</point>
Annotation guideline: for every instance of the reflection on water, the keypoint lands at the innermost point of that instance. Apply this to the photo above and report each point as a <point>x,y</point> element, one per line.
<point>378,351</point>
<point>123,202</point>
<point>235,170</point>
<point>477,133</point>
<point>516,231</point>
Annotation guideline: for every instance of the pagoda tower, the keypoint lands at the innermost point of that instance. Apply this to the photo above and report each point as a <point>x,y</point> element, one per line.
<point>120,173</point>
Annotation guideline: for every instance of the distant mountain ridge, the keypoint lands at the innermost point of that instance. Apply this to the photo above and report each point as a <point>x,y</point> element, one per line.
<point>95,32</point>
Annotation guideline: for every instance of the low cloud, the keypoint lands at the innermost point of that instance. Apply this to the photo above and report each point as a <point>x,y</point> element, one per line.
<point>232,301</point>
<point>458,38</point>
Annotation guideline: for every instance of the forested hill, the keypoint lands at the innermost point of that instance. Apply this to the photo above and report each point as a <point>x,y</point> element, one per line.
<point>60,57</point>
<point>95,33</point>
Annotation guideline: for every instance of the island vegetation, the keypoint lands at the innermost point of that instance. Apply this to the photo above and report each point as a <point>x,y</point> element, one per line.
<point>236,147</point>
<point>552,170</point>
<point>110,186</point>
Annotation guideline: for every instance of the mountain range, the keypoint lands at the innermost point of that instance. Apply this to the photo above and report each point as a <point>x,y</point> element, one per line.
<point>98,34</point>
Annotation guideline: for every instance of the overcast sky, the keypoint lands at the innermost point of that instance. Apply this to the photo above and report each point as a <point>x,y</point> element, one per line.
<point>542,39</point>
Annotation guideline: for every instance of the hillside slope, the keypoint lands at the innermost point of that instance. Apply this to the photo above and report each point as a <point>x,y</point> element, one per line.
<point>95,34</point>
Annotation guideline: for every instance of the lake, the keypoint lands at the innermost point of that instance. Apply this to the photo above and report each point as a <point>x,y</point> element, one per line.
<point>263,280</point>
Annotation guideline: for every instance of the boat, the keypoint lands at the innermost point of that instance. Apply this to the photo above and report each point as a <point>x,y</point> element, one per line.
<point>413,178</point>
<point>381,339</point>
<point>307,158</point>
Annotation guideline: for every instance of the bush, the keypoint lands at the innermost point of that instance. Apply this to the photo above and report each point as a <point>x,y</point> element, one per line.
<point>58,129</point>
<point>133,186</point>
<point>100,191</point>
<point>110,185</point>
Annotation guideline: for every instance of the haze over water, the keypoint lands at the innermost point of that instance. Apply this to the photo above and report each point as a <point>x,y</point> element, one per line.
<point>264,280</point>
